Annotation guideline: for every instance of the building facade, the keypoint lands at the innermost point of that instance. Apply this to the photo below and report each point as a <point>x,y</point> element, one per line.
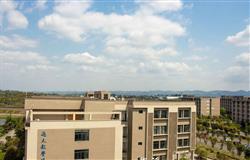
<point>208,106</point>
<point>238,107</point>
<point>76,128</point>
<point>98,95</point>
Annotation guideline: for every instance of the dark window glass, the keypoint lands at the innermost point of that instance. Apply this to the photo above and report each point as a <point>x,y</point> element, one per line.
<point>157,114</point>
<point>156,145</point>
<point>81,135</point>
<point>163,144</point>
<point>164,114</point>
<point>186,113</point>
<point>81,154</point>
<point>180,128</point>
<point>186,142</point>
<point>179,142</point>
<point>186,128</point>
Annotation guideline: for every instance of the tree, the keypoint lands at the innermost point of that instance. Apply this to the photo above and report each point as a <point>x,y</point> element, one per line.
<point>11,153</point>
<point>213,140</point>
<point>248,139</point>
<point>221,156</point>
<point>202,153</point>
<point>222,143</point>
<point>230,145</point>
<point>247,152</point>
<point>240,148</point>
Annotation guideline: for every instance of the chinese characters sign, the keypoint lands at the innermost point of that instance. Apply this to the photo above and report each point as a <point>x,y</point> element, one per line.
<point>43,145</point>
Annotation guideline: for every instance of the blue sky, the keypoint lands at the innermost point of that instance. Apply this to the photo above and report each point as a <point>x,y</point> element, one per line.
<point>124,45</point>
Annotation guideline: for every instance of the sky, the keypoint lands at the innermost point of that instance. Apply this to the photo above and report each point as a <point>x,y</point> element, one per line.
<point>63,45</point>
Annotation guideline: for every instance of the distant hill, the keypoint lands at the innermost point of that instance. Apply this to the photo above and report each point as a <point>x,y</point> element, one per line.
<point>163,93</point>
<point>194,93</point>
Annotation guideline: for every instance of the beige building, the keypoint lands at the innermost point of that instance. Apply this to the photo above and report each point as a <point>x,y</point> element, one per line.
<point>98,95</point>
<point>77,128</point>
<point>208,106</point>
<point>238,107</point>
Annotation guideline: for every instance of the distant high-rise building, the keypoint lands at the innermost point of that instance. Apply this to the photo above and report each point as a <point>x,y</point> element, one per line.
<point>238,107</point>
<point>208,106</point>
<point>77,128</point>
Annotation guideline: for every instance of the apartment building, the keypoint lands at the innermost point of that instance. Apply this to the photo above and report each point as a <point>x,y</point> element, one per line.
<point>62,128</point>
<point>238,107</point>
<point>208,106</point>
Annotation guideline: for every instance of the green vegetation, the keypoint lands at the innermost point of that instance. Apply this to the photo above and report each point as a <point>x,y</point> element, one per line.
<point>16,98</point>
<point>13,148</point>
<point>222,133</point>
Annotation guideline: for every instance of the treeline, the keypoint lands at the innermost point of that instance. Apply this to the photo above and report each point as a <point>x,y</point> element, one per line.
<point>9,98</point>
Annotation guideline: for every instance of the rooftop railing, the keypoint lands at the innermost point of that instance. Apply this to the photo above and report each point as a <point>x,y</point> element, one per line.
<point>71,116</point>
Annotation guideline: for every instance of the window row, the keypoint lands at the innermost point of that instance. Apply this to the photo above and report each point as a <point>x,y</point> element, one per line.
<point>161,113</point>
<point>183,128</point>
<point>183,142</point>
<point>160,144</point>
<point>81,154</point>
<point>160,129</point>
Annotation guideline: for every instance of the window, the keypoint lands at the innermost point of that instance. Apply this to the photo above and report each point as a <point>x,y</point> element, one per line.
<point>124,116</point>
<point>183,128</point>
<point>186,142</point>
<point>162,144</point>
<point>184,113</point>
<point>157,114</point>
<point>183,142</point>
<point>140,143</point>
<point>180,128</point>
<point>186,128</point>
<point>164,114</point>
<point>163,129</point>
<point>157,130</point>
<point>160,129</point>
<point>163,157</point>
<point>81,135</point>
<point>140,127</point>
<point>161,113</point>
<point>81,154</point>
<point>140,111</point>
<point>156,145</point>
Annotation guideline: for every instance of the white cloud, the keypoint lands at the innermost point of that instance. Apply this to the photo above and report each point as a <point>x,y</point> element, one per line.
<point>15,19</point>
<point>41,67</point>
<point>22,57</point>
<point>88,62</point>
<point>23,61</point>
<point>244,58</point>
<point>241,38</point>
<point>159,6</point>
<point>238,74</point>
<point>138,27</point>
<point>82,58</point>
<point>16,42</point>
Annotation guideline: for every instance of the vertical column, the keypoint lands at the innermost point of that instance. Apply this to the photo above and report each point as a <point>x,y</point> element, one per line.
<point>172,134</point>
<point>150,136</point>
